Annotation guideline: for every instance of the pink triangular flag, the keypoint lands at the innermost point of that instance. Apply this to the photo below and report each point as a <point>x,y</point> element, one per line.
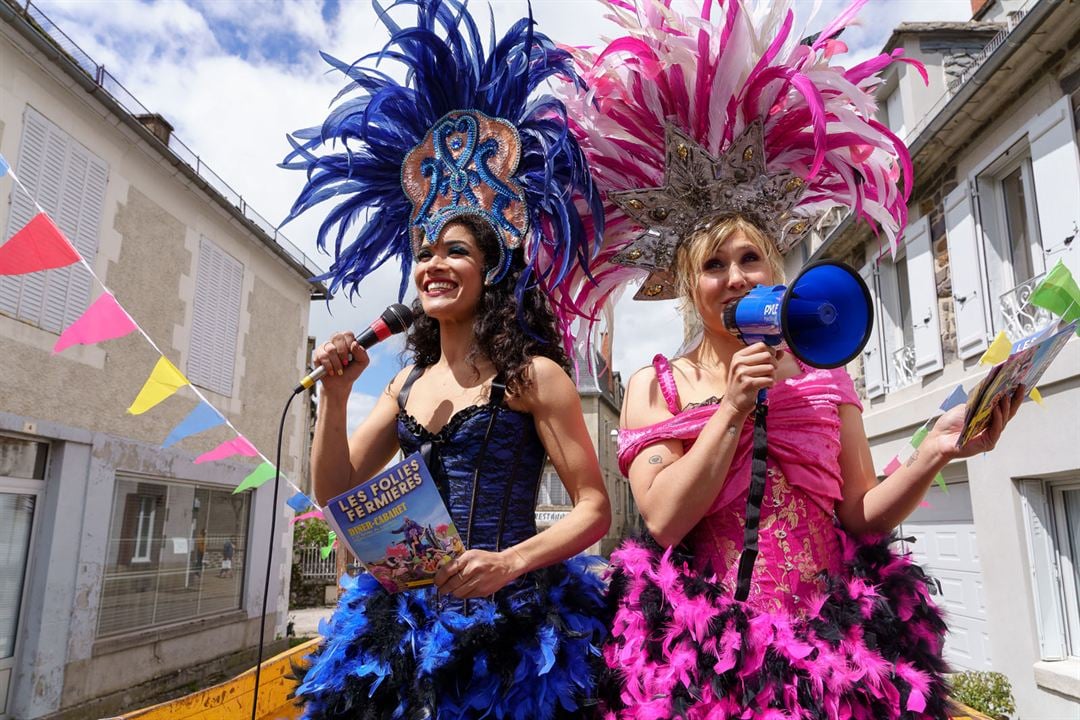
<point>239,445</point>
<point>38,246</point>
<point>103,320</point>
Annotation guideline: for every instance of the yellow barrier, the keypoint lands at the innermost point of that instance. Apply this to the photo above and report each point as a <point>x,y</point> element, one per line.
<point>232,698</point>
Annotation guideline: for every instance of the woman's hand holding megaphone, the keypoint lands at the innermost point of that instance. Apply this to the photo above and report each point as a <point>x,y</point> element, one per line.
<point>753,368</point>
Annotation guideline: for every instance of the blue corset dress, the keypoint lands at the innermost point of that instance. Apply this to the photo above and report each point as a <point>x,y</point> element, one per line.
<point>531,652</point>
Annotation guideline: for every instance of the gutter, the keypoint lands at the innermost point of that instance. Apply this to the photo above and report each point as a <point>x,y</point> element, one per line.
<point>1032,20</point>
<point>44,44</point>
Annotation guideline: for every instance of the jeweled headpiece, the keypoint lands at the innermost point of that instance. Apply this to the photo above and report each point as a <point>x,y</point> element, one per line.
<point>690,118</point>
<point>466,134</point>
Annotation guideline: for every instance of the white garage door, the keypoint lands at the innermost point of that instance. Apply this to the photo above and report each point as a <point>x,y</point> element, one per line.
<point>945,546</point>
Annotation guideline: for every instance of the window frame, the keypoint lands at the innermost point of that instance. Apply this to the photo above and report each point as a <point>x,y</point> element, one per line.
<point>1000,276</point>
<point>1068,591</point>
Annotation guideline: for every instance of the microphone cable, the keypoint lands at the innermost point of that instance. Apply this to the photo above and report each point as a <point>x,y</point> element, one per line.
<point>269,558</point>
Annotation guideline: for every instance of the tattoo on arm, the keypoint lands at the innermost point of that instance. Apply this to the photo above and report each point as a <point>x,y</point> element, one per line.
<point>655,459</point>
<point>911,460</point>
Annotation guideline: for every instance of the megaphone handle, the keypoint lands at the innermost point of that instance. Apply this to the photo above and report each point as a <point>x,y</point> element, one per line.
<point>753,500</point>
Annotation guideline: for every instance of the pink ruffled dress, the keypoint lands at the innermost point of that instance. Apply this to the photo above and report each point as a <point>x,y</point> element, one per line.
<point>832,628</point>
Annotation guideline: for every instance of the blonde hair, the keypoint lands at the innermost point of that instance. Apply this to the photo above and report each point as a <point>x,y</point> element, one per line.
<point>702,244</point>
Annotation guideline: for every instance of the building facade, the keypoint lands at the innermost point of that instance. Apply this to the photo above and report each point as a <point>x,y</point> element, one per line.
<point>115,553</point>
<point>601,395</point>
<point>996,204</point>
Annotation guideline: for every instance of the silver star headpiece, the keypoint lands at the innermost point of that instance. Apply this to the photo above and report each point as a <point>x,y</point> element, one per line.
<point>699,189</point>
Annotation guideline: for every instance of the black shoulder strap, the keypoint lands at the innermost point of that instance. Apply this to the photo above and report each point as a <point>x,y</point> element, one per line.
<point>753,504</point>
<point>403,394</point>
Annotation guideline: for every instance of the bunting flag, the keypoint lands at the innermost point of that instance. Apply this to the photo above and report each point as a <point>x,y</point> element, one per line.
<point>892,467</point>
<point>299,503</point>
<point>4,167</point>
<point>103,320</point>
<point>256,478</point>
<point>1058,293</point>
<point>314,514</point>
<point>1036,396</point>
<point>998,351</point>
<point>956,397</point>
<point>38,246</point>
<point>162,383</point>
<point>202,417</point>
<point>324,551</point>
<point>237,446</point>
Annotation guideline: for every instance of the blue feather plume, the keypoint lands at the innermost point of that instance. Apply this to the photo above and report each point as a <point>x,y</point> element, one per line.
<point>355,156</point>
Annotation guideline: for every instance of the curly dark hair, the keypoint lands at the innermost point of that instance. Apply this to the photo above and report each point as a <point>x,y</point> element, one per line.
<point>509,335</point>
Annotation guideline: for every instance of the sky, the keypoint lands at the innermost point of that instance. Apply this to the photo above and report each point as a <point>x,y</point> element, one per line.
<point>233,77</point>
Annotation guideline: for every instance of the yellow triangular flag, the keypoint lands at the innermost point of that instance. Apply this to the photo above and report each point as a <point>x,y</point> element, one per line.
<point>163,382</point>
<point>998,350</point>
<point>1035,395</point>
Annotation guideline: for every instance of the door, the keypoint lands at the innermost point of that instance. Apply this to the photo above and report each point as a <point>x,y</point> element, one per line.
<point>945,547</point>
<point>22,472</point>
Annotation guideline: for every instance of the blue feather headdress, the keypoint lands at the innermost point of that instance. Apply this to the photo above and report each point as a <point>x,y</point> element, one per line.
<point>463,134</point>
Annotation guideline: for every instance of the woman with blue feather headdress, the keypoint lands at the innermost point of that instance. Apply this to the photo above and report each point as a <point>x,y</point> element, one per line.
<point>474,184</point>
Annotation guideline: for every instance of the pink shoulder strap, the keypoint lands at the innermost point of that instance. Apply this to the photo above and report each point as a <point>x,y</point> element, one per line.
<point>667,383</point>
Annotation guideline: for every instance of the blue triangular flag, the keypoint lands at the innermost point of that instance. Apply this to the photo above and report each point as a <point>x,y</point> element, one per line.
<point>956,397</point>
<point>299,502</point>
<point>4,167</point>
<point>203,417</point>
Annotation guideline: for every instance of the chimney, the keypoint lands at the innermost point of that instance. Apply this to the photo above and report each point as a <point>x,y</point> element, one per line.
<point>977,6</point>
<point>157,125</point>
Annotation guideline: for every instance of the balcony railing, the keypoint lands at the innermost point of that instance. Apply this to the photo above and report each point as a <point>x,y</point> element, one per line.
<point>112,87</point>
<point>903,365</point>
<point>1021,318</point>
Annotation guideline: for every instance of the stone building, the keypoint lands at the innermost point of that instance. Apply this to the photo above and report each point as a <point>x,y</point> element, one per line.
<point>111,546</point>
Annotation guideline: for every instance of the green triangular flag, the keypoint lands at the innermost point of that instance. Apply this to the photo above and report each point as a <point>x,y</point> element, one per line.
<point>331,538</point>
<point>257,477</point>
<point>1059,294</point>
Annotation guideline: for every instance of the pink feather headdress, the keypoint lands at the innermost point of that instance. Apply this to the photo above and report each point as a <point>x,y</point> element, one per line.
<point>691,116</point>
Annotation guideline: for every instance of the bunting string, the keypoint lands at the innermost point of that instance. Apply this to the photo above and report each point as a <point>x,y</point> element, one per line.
<point>41,245</point>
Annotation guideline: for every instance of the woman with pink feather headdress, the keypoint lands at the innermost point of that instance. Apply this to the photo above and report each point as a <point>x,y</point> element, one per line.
<point>767,587</point>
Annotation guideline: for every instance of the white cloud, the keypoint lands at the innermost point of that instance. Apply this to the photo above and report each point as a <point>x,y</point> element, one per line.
<point>232,98</point>
<point>360,406</point>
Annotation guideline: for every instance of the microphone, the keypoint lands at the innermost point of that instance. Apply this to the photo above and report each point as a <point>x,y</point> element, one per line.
<point>396,318</point>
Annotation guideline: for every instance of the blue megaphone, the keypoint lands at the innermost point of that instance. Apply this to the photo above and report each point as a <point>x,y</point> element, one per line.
<point>824,316</point>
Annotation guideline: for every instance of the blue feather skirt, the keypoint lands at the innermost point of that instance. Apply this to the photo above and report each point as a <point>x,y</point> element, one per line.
<point>532,653</point>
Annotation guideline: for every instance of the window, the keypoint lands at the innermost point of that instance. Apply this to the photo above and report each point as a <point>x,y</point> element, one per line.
<point>215,321</point>
<point>905,339</point>
<point>1007,207</point>
<point>68,181</point>
<point>176,552</point>
<point>1052,523</point>
<point>1066,512</point>
<point>552,491</point>
<point>898,332</point>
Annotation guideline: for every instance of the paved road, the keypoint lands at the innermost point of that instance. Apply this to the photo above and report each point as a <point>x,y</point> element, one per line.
<point>306,621</point>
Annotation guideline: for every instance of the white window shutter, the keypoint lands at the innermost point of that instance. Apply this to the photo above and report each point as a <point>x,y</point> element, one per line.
<point>872,356</point>
<point>1056,169</point>
<point>1045,578</point>
<point>69,183</point>
<point>922,289</point>
<point>215,321</point>
<point>965,270</point>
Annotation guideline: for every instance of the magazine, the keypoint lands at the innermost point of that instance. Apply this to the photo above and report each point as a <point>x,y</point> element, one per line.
<point>1028,360</point>
<point>397,525</point>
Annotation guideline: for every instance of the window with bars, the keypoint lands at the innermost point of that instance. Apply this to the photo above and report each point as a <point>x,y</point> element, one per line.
<point>68,182</point>
<point>215,322</point>
<point>168,543</point>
